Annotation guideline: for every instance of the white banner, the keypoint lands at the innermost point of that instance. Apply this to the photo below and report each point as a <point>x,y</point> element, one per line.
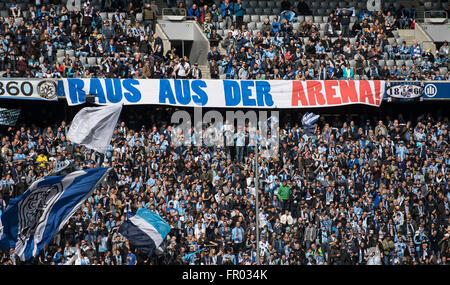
<point>32,89</point>
<point>226,93</point>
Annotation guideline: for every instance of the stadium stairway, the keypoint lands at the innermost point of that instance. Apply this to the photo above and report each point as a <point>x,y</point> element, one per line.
<point>205,71</point>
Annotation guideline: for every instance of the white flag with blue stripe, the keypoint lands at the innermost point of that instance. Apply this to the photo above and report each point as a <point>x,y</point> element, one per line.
<point>31,220</point>
<point>146,230</point>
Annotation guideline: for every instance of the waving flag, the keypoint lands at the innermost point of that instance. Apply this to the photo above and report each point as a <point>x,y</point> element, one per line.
<point>308,121</point>
<point>9,117</point>
<point>189,256</point>
<point>93,127</point>
<point>146,230</point>
<point>32,219</point>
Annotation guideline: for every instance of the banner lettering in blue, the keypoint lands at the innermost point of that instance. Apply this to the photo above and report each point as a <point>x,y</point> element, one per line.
<point>116,90</point>
<point>185,91</point>
<point>237,91</point>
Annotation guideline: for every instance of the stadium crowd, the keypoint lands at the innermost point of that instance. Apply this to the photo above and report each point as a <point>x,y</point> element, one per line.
<point>49,41</point>
<point>356,192</point>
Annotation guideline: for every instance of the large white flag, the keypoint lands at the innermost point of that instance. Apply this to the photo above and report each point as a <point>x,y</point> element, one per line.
<point>93,127</point>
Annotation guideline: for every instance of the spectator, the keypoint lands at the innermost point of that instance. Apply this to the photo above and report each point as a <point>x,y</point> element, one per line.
<point>239,11</point>
<point>415,51</point>
<point>227,13</point>
<point>194,12</point>
<point>345,23</point>
<point>149,16</point>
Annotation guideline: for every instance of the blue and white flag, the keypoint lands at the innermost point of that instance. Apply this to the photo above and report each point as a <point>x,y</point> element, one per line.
<point>146,230</point>
<point>32,219</point>
<point>9,117</point>
<point>308,121</point>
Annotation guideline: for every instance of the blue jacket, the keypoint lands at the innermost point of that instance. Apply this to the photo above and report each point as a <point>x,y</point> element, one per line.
<point>239,11</point>
<point>227,10</point>
<point>193,13</point>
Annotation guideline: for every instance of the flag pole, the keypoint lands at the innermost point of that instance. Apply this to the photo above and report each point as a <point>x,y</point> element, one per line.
<point>257,202</point>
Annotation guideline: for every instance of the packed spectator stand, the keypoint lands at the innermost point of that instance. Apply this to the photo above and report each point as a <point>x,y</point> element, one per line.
<point>260,40</point>
<point>365,189</point>
<point>368,190</point>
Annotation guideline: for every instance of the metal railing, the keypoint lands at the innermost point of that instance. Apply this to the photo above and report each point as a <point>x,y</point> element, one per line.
<point>173,14</point>
<point>435,16</point>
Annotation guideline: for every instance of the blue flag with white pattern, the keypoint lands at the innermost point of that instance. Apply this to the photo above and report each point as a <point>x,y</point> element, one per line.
<point>308,121</point>
<point>31,220</point>
<point>146,230</point>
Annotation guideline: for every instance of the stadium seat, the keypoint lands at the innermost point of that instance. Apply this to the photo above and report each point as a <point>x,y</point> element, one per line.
<point>70,52</point>
<point>321,12</point>
<point>317,19</point>
<point>333,4</point>
<point>390,62</point>
<point>254,18</point>
<point>253,4</point>
<point>324,4</point>
<point>272,17</point>
<point>267,11</point>
<point>259,11</point>
<point>139,17</point>
<point>399,62</point>
<point>91,61</point>
<point>60,52</point>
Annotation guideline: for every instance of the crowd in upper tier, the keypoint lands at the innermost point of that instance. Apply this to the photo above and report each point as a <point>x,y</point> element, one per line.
<point>47,40</point>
